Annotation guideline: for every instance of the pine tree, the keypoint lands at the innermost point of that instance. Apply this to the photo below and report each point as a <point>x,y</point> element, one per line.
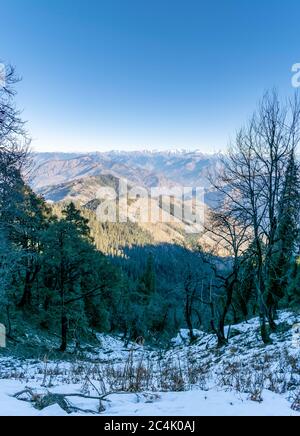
<point>65,260</point>
<point>293,291</point>
<point>245,292</point>
<point>147,285</point>
<point>81,285</point>
<point>10,259</point>
<point>74,216</point>
<point>32,220</point>
<point>286,236</point>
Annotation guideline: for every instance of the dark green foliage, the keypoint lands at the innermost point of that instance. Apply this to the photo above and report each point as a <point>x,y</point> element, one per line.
<point>293,289</point>
<point>73,216</point>
<point>147,282</point>
<point>245,299</point>
<point>286,237</point>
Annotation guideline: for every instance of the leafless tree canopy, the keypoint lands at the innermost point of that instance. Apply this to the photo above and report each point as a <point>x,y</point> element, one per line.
<point>251,186</point>
<point>14,141</point>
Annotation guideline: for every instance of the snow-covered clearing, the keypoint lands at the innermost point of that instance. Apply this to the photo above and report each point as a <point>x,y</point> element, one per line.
<point>244,378</point>
<point>196,403</point>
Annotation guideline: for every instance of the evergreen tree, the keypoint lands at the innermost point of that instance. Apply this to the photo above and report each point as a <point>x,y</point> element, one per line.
<point>65,260</point>
<point>293,291</point>
<point>286,236</point>
<point>81,285</point>
<point>73,215</point>
<point>147,285</point>
<point>245,293</point>
<point>10,259</point>
<point>33,219</point>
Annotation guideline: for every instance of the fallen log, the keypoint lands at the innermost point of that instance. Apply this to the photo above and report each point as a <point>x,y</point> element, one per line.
<point>42,401</point>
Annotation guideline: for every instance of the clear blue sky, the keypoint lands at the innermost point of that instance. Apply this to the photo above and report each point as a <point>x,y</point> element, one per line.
<point>131,74</point>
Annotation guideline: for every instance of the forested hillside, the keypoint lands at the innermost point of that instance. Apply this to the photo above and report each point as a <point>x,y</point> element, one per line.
<point>65,272</point>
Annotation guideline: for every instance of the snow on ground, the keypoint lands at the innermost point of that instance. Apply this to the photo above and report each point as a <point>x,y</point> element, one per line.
<point>200,403</point>
<point>244,378</point>
<point>10,406</point>
<point>191,403</point>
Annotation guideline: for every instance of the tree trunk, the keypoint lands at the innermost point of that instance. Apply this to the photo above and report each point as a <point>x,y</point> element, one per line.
<point>261,294</point>
<point>264,331</point>
<point>263,326</point>
<point>188,317</point>
<point>222,340</point>
<point>64,332</point>
<point>30,277</point>
<point>271,321</point>
<point>26,297</point>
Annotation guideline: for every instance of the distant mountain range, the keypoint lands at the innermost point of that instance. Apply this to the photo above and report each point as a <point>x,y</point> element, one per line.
<point>60,175</point>
<point>78,177</point>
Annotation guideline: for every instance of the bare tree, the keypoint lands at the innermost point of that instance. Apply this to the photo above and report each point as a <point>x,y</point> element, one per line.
<point>190,285</point>
<point>252,181</point>
<point>13,135</point>
<point>14,143</point>
<point>230,239</point>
